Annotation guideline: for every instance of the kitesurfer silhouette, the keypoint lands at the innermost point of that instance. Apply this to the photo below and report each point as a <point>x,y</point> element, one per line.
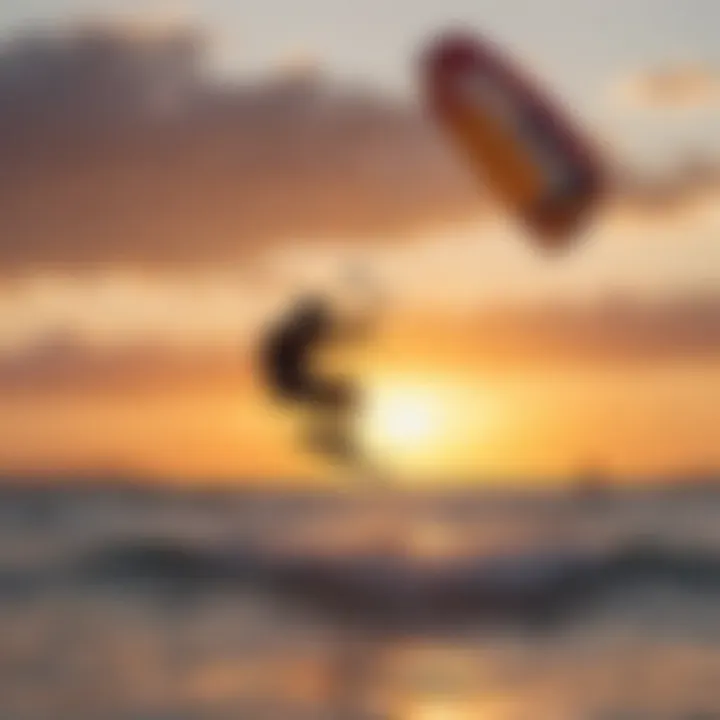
<point>289,354</point>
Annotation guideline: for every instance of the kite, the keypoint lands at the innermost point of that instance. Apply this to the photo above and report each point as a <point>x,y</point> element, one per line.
<point>524,149</point>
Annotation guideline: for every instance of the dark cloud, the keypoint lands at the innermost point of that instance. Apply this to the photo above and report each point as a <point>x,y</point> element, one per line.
<point>117,147</point>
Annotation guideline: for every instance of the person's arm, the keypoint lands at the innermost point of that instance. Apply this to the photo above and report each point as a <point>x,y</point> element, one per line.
<point>364,321</point>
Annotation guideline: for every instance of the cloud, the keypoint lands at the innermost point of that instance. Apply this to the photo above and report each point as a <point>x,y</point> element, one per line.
<point>118,148</point>
<point>63,363</point>
<point>671,87</point>
<point>618,332</point>
<point>684,190</point>
<point>121,151</point>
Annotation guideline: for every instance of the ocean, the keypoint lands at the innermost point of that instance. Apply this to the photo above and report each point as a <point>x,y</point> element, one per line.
<point>137,603</point>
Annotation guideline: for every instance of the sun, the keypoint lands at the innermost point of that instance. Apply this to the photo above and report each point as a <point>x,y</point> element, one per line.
<point>430,426</point>
<point>405,423</point>
<point>405,418</point>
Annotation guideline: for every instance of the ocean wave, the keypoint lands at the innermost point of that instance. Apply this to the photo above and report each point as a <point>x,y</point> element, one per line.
<point>540,586</point>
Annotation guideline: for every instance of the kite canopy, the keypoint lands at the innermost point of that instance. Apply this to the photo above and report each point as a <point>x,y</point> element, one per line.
<point>530,157</point>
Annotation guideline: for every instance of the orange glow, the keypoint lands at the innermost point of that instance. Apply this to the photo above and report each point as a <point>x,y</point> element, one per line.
<point>424,427</point>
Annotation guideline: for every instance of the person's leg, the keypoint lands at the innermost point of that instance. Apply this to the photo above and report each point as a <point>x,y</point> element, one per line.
<point>332,431</point>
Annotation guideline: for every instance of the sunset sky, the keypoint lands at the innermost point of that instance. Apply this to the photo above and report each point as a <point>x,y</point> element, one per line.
<point>167,188</point>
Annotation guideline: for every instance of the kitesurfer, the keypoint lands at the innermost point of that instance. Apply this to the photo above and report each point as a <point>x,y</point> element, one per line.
<point>289,357</point>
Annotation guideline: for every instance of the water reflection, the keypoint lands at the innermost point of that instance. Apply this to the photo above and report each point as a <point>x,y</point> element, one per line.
<point>446,683</point>
<point>91,657</point>
<point>440,710</point>
<point>414,679</point>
